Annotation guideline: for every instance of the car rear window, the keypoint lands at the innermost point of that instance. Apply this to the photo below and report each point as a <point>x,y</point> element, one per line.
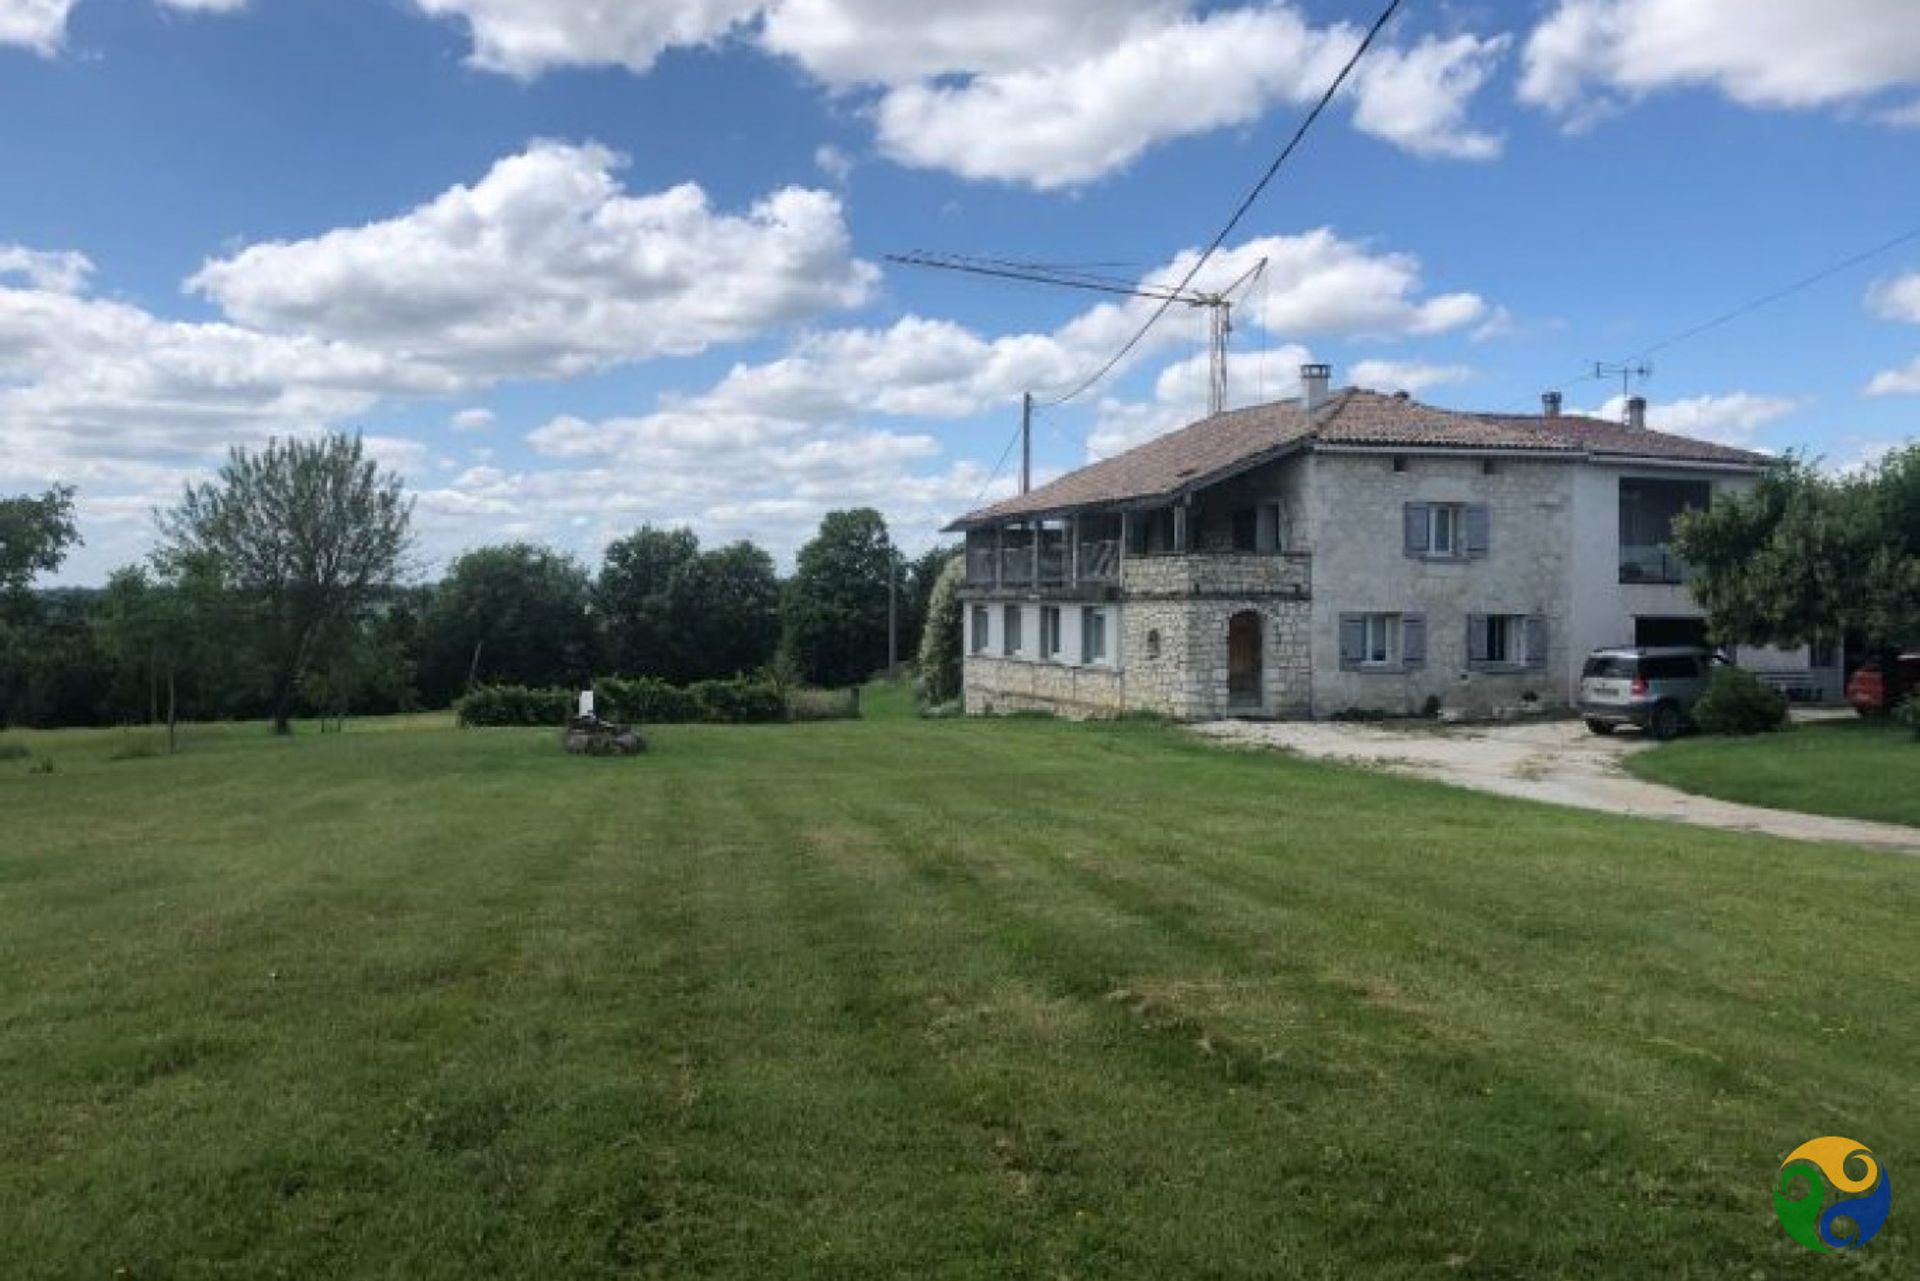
<point>1609,666</point>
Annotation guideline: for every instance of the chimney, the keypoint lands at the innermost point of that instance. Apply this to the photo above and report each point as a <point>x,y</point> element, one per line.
<point>1550,404</point>
<point>1313,385</point>
<point>1636,412</point>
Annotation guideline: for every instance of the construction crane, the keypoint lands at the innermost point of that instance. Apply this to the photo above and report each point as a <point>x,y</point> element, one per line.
<point>1219,304</point>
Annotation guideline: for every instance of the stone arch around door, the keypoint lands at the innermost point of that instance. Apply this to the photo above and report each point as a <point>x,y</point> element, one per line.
<point>1246,659</point>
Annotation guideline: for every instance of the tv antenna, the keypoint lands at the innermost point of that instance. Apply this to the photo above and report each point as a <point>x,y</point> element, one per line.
<point>1219,305</point>
<point>1626,372</point>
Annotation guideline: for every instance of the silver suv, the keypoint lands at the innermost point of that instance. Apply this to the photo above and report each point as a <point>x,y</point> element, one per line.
<point>1654,688</point>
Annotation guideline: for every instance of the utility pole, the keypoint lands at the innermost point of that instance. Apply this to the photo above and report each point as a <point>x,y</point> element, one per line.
<point>893,614</point>
<point>1026,442</point>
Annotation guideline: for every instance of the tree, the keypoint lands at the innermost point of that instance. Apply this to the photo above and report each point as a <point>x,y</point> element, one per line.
<point>941,641</point>
<point>515,614</point>
<point>1805,556</point>
<point>632,596</point>
<point>834,611</point>
<point>723,608</point>
<point>302,535</point>
<point>34,536</point>
<point>917,586</point>
<point>682,614</point>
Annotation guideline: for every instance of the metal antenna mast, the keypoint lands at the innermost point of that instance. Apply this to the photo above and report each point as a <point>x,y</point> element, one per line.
<point>1219,303</point>
<point>1625,372</point>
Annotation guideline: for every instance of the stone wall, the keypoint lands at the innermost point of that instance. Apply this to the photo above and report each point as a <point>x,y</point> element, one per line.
<point>1175,625</point>
<point>1017,685</point>
<point>1360,566</point>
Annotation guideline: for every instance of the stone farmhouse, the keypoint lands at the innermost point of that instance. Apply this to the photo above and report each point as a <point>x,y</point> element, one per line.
<point>1342,551</point>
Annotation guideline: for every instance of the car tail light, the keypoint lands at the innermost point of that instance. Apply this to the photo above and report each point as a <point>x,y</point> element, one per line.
<point>1639,687</point>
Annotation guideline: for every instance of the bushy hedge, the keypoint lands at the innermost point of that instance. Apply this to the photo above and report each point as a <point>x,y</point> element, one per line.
<point>1908,714</point>
<point>494,706</point>
<point>645,701</point>
<point>740,701</point>
<point>1738,702</point>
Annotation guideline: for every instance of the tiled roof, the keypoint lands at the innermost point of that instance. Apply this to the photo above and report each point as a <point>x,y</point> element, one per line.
<point>1215,447</point>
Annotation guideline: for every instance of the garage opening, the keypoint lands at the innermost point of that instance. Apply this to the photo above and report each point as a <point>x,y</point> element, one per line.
<point>1670,631</point>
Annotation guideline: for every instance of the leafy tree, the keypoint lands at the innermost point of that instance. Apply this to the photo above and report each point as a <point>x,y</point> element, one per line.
<point>514,614</point>
<point>834,611</point>
<point>723,607</point>
<point>301,535</point>
<point>916,589</point>
<point>34,536</point>
<point>634,598</point>
<point>1805,555</point>
<point>941,640</point>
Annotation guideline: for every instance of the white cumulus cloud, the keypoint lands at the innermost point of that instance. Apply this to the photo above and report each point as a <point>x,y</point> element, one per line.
<point>1734,418</point>
<point>1588,56</point>
<point>547,267</point>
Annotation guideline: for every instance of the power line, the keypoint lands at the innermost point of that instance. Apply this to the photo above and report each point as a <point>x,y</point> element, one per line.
<point>995,473</point>
<point>1775,296</point>
<point>1753,305</point>
<point>1273,170</point>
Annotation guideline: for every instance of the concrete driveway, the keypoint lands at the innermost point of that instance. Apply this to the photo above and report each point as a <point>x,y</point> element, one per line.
<point>1554,761</point>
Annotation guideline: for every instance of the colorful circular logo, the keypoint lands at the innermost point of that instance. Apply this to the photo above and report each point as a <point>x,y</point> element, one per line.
<point>1836,1170</point>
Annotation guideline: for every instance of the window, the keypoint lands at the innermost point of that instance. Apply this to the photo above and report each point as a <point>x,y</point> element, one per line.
<point>1010,632</point>
<point>1383,642</point>
<point>1399,462</point>
<point>1153,643</point>
<point>1506,640</point>
<point>1049,631</point>
<point>1447,531</point>
<point>1093,635</point>
<point>1823,654</point>
<point>1648,509</point>
<point>980,629</point>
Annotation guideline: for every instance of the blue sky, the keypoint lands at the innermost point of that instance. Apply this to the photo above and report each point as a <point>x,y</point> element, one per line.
<point>572,268</point>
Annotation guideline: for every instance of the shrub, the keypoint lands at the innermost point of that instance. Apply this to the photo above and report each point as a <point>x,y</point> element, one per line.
<point>942,642</point>
<point>40,765</point>
<point>739,701</point>
<point>496,706</point>
<point>644,700</point>
<point>824,704</point>
<point>1908,714</point>
<point>14,752</point>
<point>1738,702</point>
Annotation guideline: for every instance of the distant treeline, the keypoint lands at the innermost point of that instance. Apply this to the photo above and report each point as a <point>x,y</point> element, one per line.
<point>191,632</point>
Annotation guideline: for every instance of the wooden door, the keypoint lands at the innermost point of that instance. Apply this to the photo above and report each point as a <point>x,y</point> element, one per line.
<point>1243,660</point>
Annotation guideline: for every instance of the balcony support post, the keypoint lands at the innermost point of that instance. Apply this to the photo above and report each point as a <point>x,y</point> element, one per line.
<point>999,551</point>
<point>1073,550</point>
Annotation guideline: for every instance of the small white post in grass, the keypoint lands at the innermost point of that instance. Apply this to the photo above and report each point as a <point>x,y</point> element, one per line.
<point>586,704</point>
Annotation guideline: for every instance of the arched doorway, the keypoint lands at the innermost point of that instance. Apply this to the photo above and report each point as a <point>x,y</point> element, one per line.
<point>1244,659</point>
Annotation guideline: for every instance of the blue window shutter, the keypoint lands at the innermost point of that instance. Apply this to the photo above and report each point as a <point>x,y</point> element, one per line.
<point>1353,639</point>
<point>1536,641</point>
<point>1476,638</point>
<point>1478,519</point>
<point>1416,527</point>
<point>1413,640</point>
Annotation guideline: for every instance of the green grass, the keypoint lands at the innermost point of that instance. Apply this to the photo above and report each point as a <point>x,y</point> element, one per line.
<point>896,998</point>
<point>1847,768</point>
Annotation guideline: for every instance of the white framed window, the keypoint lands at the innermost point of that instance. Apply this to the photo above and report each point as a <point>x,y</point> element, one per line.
<point>1010,631</point>
<point>1383,642</point>
<point>1447,531</point>
<point>1506,640</point>
<point>980,625</point>
<point>1380,646</point>
<point>1050,631</point>
<point>1093,634</point>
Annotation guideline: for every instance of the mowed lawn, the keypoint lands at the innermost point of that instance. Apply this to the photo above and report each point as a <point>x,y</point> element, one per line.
<point>1849,768</point>
<point>913,999</point>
